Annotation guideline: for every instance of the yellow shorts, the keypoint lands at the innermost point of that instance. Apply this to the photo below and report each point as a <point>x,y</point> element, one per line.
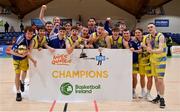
<point>144,66</point>
<point>145,70</point>
<point>135,68</point>
<point>21,65</point>
<point>158,65</point>
<point>158,70</point>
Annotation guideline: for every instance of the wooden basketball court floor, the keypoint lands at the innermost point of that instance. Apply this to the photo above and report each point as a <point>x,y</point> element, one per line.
<point>8,103</point>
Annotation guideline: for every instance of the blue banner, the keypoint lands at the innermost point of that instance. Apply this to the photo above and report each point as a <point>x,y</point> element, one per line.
<point>162,22</point>
<point>37,22</point>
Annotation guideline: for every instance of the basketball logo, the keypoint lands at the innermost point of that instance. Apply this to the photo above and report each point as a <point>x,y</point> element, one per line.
<point>66,88</point>
<point>22,49</point>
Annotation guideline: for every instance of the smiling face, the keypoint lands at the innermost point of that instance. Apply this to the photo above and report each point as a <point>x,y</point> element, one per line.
<point>68,26</point>
<point>126,35</point>
<point>29,35</point>
<point>41,32</point>
<point>56,20</point>
<point>49,27</point>
<point>151,28</point>
<point>138,34</point>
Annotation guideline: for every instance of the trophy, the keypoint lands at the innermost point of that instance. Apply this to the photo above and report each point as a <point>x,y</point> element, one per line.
<point>82,45</point>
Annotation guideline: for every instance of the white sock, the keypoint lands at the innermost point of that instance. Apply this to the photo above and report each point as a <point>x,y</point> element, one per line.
<point>158,93</point>
<point>142,89</point>
<point>161,96</point>
<point>18,91</point>
<point>148,91</point>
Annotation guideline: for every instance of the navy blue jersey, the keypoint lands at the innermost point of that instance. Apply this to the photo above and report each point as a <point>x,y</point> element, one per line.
<point>136,45</point>
<point>56,43</point>
<point>92,30</point>
<point>107,27</point>
<point>47,36</point>
<point>21,40</point>
<point>56,30</point>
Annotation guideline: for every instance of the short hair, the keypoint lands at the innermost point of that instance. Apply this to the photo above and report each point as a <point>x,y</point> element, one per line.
<point>68,23</point>
<point>56,17</point>
<point>151,23</point>
<point>92,18</point>
<point>48,22</point>
<point>41,28</point>
<point>62,28</point>
<point>74,28</point>
<point>125,30</point>
<point>100,24</point>
<point>28,28</point>
<point>140,29</point>
<point>115,29</point>
<point>78,23</point>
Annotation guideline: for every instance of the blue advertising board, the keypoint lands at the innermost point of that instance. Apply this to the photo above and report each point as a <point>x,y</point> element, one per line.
<point>162,22</point>
<point>3,53</point>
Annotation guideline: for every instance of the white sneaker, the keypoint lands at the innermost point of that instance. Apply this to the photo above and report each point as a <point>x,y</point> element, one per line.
<point>149,97</point>
<point>143,94</point>
<point>134,95</point>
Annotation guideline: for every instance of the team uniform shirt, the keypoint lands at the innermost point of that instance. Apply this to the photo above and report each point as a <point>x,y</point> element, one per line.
<point>21,40</point>
<point>158,60</point>
<point>47,37</point>
<point>71,41</point>
<point>56,43</point>
<point>100,42</point>
<point>38,44</point>
<point>136,45</point>
<point>116,44</point>
<point>92,30</point>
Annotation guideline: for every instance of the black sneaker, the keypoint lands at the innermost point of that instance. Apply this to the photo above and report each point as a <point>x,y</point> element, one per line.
<point>22,86</point>
<point>162,103</point>
<point>156,100</point>
<point>18,97</point>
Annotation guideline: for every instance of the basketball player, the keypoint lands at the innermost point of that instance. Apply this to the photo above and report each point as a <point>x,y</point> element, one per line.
<point>39,41</point>
<point>73,41</point>
<point>158,61</point>
<point>58,41</point>
<point>115,39</point>
<point>100,38</point>
<point>20,61</point>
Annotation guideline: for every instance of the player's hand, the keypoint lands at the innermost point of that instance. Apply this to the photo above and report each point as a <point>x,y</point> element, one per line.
<point>44,7</point>
<point>52,50</point>
<point>143,45</point>
<point>76,44</point>
<point>132,49</point>
<point>39,49</point>
<point>56,24</point>
<point>69,50</point>
<point>149,49</point>
<point>108,18</point>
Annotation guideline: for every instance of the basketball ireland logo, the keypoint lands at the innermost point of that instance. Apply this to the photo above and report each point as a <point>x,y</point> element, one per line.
<point>66,88</point>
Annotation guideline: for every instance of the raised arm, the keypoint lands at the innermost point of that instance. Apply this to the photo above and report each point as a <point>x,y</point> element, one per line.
<point>41,15</point>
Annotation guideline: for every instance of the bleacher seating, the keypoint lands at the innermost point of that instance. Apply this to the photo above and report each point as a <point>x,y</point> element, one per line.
<point>6,37</point>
